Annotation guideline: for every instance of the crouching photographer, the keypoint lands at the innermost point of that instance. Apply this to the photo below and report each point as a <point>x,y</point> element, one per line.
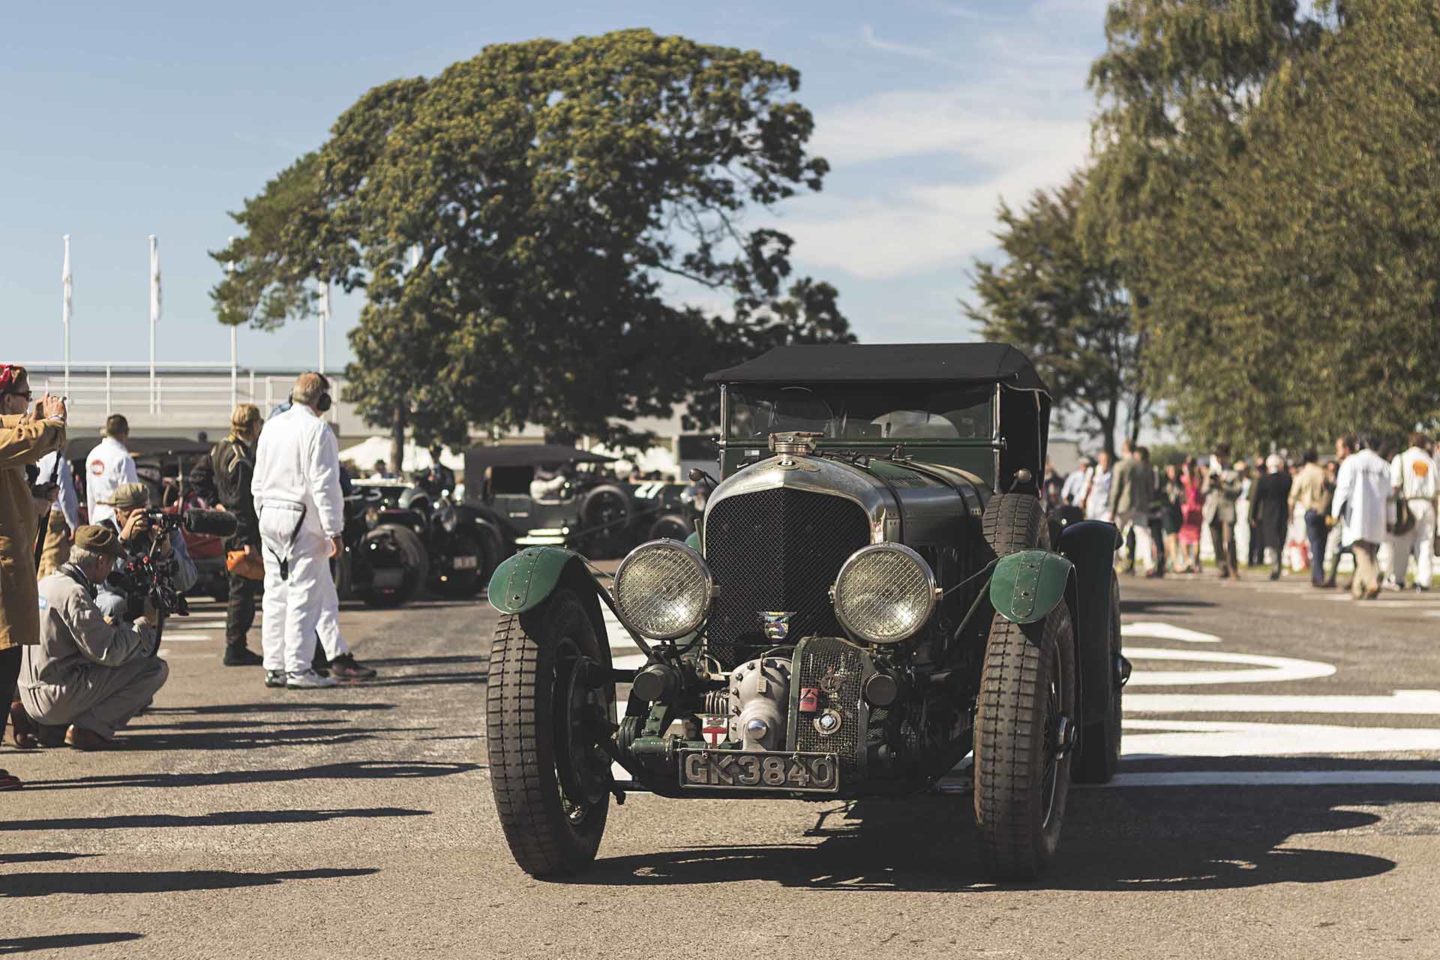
<point>156,566</point>
<point>90,674</point>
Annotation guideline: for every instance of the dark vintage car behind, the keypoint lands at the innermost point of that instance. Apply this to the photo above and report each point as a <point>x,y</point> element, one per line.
<point>587,509</point>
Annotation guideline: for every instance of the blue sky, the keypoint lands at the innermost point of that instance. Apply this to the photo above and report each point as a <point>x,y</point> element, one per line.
<point>119,120</point>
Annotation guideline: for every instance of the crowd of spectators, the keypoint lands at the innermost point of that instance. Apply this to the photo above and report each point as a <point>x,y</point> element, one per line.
<point>1372,502</point>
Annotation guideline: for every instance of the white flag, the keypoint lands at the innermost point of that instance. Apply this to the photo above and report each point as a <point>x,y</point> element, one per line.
<point>69,284</point>
<point>154,280</point>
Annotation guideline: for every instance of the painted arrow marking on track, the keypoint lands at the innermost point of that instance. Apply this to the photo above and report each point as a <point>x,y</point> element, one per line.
<point>1267,669</point>
<point>1165,631</point>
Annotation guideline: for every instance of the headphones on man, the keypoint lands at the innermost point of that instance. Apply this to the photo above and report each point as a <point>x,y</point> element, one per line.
<point>324,402</point>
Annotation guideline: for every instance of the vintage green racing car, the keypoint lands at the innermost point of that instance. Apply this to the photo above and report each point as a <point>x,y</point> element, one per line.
<point>873,595</point>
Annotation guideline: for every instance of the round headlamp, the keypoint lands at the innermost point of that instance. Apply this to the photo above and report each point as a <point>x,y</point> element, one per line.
<point>885,593</point>
<point>663,590</point>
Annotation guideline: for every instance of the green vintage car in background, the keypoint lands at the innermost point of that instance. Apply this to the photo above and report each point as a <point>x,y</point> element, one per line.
<point>872,596</point>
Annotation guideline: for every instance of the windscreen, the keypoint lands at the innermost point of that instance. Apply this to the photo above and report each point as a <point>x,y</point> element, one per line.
<point>861,412</point>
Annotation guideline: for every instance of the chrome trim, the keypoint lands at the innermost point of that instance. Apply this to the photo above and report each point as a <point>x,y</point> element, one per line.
<point>816,475</point>
<point>694,558</point>
<point>932,594</point>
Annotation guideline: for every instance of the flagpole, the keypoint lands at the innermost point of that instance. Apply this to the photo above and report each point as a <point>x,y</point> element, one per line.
<point>324,316</point>
<point>234,346</point>
<point>67,286</point>
<point>154,311</point>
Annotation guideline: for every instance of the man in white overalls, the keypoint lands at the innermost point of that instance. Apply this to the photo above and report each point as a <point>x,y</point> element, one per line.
<point>301,512</point>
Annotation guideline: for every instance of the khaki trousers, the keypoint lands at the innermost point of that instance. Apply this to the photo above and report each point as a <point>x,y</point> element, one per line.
<point>1367,568</point>
<point>99,699</point>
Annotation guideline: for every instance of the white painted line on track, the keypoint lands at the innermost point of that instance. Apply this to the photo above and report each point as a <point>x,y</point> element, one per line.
<point>1206,738</point>
<point>1422,702</point>
<point>1269,669</point>
<point>182,637</point>
<point>1152,630</point>
<point>1277,778</point>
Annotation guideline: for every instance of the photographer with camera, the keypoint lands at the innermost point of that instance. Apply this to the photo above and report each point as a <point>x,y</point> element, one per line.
<point>25,436</point>
<point>90,674</point>
<point>149,539</point>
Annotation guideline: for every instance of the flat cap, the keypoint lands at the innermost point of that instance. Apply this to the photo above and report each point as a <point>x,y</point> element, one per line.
<point>98,539</point>
<point>129,496</point>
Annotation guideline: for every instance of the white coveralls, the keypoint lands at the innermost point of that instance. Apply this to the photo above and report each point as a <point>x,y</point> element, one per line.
<point>300,506</point>
<point>107,466</point>
<point>1412,473</point>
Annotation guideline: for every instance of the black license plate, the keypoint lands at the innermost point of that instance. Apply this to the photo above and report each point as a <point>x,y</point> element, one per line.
<point>759,770</point>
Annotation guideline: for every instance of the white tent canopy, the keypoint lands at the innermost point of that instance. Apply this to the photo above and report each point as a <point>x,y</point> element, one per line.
<point>365,453</point>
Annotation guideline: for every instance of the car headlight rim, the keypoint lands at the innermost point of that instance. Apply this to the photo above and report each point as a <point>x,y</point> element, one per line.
<point>658,609</point>
<point>911,582</point>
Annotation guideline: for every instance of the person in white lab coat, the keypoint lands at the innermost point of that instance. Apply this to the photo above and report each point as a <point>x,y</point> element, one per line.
<point>1412,474</point>
<point>301,512</point>
<point>108,466</point>
<point>1362,490</point>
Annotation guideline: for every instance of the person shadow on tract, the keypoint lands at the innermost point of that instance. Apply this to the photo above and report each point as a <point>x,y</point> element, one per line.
<point>1120,839</point>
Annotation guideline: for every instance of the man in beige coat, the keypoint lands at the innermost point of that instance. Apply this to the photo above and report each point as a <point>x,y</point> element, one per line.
<point>25,437</point>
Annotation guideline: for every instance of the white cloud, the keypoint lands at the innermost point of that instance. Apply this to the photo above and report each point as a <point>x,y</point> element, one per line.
<point>867,34</point>
<point>1006,150</point>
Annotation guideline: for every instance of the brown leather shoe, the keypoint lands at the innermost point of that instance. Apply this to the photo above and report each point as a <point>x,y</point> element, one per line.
<point>82,739</point>
<point>22,729</point>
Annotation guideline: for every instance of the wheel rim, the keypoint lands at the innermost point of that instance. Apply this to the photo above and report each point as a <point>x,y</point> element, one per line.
<point>1050,782</point>
<point>579,770</point>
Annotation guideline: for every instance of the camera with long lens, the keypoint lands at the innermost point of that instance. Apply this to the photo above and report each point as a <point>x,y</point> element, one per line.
<point>149,575</point>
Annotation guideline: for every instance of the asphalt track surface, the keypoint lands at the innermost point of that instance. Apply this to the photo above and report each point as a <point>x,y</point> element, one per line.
<point>1281,798</point>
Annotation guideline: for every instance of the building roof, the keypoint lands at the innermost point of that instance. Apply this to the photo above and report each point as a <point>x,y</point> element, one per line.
<point>874,362</point>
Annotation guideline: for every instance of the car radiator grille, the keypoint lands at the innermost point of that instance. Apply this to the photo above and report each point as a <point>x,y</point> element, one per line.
<point>776,550</point>
<point>837,668</point>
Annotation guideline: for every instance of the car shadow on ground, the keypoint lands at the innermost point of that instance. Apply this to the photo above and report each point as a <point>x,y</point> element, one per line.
<point>357,770</point>
<point>1131,839</point>
<point>227,818</point>
<point>160,881</point>
<point>60,941</point>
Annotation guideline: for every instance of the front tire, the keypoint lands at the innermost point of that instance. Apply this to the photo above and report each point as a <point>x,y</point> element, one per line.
<point>550,780</point>
<point>1022,762</point>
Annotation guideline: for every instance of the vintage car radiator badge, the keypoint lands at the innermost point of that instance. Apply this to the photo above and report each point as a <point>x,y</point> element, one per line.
<point>776,623</point>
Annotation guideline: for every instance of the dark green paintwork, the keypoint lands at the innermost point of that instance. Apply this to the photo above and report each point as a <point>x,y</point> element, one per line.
<point>1027,585</point>
<point>523,581</point>
<point>693,541</point>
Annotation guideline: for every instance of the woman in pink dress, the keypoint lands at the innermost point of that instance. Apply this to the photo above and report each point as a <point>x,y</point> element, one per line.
<point>1191,508</point>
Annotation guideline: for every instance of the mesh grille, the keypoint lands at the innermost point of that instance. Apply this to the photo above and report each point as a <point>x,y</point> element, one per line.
<point>837,667</point>
<point>776,550</point>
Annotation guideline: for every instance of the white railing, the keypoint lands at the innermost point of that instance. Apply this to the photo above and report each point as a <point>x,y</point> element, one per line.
<point>183,397</point>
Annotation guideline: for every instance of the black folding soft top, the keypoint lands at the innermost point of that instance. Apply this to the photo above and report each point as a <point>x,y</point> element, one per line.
<point>862,362</point>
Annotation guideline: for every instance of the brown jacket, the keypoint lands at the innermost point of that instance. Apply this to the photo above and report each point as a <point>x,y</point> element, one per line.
<point>22,442</point>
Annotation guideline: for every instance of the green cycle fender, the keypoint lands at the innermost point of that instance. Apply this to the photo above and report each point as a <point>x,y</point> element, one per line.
<point>523,581</point>
<point>1027,585</point>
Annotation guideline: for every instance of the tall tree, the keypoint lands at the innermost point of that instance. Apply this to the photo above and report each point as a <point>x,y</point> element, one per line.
<point>1064,301</point>
<point>517,221</point>
<point>1299,283</point>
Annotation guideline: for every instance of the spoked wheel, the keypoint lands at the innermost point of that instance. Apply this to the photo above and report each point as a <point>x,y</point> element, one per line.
<point>1024,732</point>
<point>605,516</point>
<point>549,705</point>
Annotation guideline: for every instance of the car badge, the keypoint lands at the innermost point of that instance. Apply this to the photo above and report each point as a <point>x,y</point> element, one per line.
<point>776,623</point>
